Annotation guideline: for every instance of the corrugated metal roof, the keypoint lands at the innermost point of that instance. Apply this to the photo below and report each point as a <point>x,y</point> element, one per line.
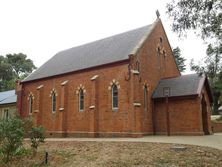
<point>8,97</point>
<point>109,50</point>
<point>180,86</point>
<point>9,100</point>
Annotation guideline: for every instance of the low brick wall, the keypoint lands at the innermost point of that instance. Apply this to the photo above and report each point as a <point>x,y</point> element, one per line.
<point>216,127</point>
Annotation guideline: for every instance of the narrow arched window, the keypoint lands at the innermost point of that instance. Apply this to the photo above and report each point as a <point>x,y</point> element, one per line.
<point>30,104</point>
<point>145,98</point>
<point>81,100</point>
<point>114,97</point>
<point>159,58</point>
<point>53,102</point>
<point>6,114</point>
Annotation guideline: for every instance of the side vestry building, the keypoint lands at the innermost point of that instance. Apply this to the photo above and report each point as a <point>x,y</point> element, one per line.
<point>124,85</point>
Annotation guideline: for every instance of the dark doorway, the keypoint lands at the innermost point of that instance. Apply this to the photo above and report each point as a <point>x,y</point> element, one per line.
<point>204,116</point>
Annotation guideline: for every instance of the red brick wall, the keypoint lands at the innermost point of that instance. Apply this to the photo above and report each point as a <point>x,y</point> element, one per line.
<point>185,116</point>
<point>150,73</point>
<point>217,127</point>
<point>76,121</point>
<point>204,92</point>
<point>129,119</point>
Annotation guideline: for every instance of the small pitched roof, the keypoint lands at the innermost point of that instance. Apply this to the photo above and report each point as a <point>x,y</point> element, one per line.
<point>8,97</point>
<point>185,85</point>
<point>109,50</point>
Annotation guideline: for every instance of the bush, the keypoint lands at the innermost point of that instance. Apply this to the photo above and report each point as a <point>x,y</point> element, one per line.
<point>12,132</point>
<point>36,136</point>
<point>11,137</point>
<point>27,125</point>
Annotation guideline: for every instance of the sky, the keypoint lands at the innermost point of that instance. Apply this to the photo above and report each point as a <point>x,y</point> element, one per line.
<point>41,28</point>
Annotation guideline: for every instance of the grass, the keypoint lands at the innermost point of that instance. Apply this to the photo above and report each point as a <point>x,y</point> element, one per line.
<point>117,154</point>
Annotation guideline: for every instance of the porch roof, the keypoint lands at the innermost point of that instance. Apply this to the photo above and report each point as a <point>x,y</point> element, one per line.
<point>185,85</point>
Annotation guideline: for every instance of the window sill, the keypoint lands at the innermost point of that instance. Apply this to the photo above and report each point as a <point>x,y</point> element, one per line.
<point>137,104</point>
<point>91,107</point>
<point>61,109</point>
<point>115,109</point>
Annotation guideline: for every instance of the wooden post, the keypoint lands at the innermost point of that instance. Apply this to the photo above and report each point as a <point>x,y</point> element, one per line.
<point>46,157</point>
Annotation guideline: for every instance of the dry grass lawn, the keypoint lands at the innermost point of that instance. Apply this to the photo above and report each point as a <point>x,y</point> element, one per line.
<point>118,154</point>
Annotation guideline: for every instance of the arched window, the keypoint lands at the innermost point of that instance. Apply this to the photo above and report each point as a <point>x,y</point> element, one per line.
<point>6,114</point>
<point>30,104</point>
<point>53,102</point>
<point>81,100</point>
<point>164,53</point>
<point>114,96</point>
<point>159,58</point>
<point>161,40</point>
<point>145,97</point>
<point>158,51</point>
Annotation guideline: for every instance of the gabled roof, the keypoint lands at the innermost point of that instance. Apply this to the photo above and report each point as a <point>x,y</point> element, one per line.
<point>185,85</point>
<point>8,97</point>
<point>105,51</point>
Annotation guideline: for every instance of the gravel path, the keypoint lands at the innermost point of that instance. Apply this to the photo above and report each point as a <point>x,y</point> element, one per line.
<point>214,141</point>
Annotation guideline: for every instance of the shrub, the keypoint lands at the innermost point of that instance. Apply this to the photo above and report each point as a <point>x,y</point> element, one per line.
<point>21,151</point>
<point>27,125</point>
<point>36,136</point>
<point>11,137</point>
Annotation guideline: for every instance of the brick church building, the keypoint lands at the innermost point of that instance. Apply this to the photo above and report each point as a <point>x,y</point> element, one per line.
<point>124,85</point>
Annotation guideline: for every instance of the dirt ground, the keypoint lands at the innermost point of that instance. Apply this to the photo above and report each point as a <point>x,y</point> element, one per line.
<point>119,154</point>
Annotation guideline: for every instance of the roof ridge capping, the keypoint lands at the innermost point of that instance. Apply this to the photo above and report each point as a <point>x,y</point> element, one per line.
<point>142,41</point>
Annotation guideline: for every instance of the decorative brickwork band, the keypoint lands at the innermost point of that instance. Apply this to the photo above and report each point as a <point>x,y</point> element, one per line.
<point>113,82</point>
<point>80,87</point>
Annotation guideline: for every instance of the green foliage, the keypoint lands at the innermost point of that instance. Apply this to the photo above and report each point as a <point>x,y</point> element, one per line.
<point>13,67</point>
<point>205,18</point>
<point>12,132</point>
<point>179,59</point>
<point>27,125</point>
<point>21,151</point>
<point>21,66</point>
<point>37,136</point>
<point>11,137</point>
<point>212,68</point>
